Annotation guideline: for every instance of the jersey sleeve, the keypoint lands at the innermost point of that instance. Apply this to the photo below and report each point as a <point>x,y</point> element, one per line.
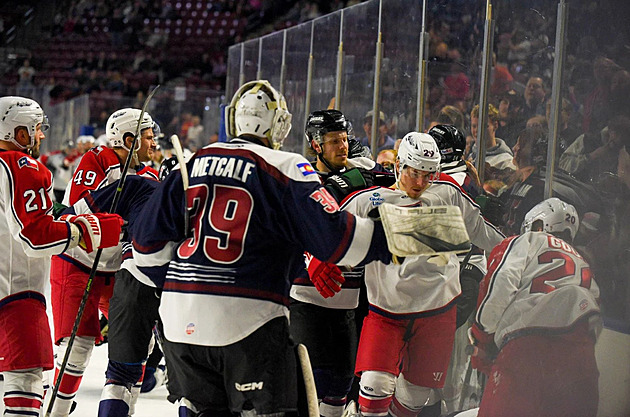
<point>501,283</point>
<point>89,175</point>
<point>28,206</point>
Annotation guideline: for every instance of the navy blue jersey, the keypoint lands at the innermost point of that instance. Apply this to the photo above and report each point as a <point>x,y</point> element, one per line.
<point>254,211</point>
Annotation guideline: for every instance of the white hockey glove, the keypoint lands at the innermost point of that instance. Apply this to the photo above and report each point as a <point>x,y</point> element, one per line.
<point>97,231</point>
<point>431,230</point>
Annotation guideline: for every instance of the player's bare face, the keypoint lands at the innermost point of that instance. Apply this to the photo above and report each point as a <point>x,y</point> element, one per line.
<point>415,181</point>
<point>335,149</point>
<point>147,146</point>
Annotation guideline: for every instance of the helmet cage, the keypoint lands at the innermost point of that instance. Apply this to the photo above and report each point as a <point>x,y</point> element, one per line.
<point>259,110</point>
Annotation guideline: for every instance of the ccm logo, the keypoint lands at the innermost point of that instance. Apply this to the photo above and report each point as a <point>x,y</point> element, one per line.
<point>250,386</point>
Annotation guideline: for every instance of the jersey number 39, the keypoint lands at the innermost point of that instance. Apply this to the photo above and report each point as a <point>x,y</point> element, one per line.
<point>222,233</point>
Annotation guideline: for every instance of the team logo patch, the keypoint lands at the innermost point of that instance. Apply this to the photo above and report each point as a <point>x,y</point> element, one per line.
<point>190,328</point>
<point>27,161</point>
<point>376,199</point>
<point>583,305</point>
<point>306,169</point>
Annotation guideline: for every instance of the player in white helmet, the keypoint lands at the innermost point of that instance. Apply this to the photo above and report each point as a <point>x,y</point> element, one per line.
<point>30,236</point>
<point>99,167</point>
<point>537,320</point>
<point>407,337</point>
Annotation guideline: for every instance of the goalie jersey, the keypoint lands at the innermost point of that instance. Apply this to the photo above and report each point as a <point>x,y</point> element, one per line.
<point>253,213</point>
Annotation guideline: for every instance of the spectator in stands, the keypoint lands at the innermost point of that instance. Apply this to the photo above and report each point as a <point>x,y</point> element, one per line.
<point>526,187</point>
<point>387,159</point>
<point>26,73</point>
<point>498,154</point>
<point>384,140</point>
<point>593,154</point>
<point>195,137</point>
<point>535,95</point>
<point>510,117</point>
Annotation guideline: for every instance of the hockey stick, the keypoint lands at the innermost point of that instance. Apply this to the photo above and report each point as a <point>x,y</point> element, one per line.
<point>312,402</point>
<point>97,258</point>
<point>179,154</point>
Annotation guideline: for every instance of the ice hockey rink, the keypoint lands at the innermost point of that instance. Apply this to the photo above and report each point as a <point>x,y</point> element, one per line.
<point>151,404</point>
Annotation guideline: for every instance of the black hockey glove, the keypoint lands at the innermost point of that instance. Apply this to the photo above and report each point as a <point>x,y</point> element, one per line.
<point>343,184</point>
<point>356,149</point>
<point>492,209</point>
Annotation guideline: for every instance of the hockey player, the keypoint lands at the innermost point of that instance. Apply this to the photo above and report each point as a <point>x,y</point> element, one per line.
<point>322,324</point>
<point>407,337</point>
<point>254,211</point>
<point>99,167</point>
<point>30,236</point>
<point>533,330</point>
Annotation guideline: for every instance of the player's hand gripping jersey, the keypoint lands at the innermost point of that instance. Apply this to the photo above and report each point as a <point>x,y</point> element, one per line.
<point>527,276</point>
<point>254,212</point>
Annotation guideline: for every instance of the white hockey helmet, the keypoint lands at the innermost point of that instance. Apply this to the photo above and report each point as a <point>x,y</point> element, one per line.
<point>125,121</point>
<point>419,151</point>
<point>259,110</point>
<point>20,112</point>
<point>556,216</point>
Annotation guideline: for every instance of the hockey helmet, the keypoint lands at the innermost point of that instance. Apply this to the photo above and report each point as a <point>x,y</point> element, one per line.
<point>124,122</point>
<point>450,141</point>
<point>419,151</point>
<point>259,110</point>
<point>324,121</point>
<point>20,112</point>
<point>556,216</point>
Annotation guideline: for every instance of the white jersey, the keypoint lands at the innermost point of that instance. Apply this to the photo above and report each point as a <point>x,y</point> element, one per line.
<point>29,235</point>
<point>418,284</point>
<point>535,282</point>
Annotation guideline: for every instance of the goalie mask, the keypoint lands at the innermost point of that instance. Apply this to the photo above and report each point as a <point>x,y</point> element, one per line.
<point>20,112</point>
<point>258,110</point>
<point>450,141</point>
<point>124,122</point>
<point>556,217</point>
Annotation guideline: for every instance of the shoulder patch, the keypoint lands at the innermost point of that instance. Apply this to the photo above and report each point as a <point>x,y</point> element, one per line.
<point>306,168</point>
<point>27,161</point>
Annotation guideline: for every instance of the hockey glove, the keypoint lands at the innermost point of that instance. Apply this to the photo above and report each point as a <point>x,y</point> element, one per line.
<point>326,277</point>
<point>98,231</point>
<point>492,208</point>
<point>484,351</point>
<point>343,184</point>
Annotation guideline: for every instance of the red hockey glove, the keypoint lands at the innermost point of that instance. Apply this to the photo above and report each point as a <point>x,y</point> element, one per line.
<point>484,350</point>
<point>98,231</point>
<point>326,277</point>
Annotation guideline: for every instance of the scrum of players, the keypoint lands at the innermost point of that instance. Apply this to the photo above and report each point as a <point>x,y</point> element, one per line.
<point>232,258</point>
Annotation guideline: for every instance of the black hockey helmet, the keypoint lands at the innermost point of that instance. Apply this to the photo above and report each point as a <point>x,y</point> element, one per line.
<point>168,164</point>
<point>450,141</point>
<point>323,121</point>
